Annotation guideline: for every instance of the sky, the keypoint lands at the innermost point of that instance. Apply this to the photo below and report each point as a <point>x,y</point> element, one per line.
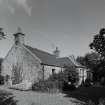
<point>68,24</point>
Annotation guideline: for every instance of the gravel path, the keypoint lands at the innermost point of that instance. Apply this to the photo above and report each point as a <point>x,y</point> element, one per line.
<point>37,98</point>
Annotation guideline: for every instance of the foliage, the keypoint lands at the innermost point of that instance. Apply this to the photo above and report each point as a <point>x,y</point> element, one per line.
<point>93,62</point>
<point>84,94</point>
<point>71,74</point>
<point>81,60</point>
<point>2,34</point>
<point>57,81</point>
<point>46,86</point>
<point>87,83</point>
<point>90,102</point>
<point>7,99</point>
<point>90,60</point>
<point>101,101</point>
<point>100,70</point>
<point>98,43</point>
<point>102,81</point>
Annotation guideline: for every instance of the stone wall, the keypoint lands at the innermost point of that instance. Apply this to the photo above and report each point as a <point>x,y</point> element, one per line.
<point>48,70</point>
<point>31,69</point>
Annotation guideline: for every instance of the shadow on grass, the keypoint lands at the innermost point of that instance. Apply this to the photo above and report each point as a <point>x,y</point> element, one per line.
<point>87,93</point>
<point>7,98</point>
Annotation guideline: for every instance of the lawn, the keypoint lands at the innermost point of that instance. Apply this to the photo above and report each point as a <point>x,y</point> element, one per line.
<point>86,93</point>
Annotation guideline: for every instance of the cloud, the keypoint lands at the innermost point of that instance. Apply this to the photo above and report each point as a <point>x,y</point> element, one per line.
<point>24,4</point>
<point>11,9</point>
<point>9,4</point>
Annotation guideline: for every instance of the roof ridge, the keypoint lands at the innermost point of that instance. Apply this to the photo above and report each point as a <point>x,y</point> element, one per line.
<point>62,57</point>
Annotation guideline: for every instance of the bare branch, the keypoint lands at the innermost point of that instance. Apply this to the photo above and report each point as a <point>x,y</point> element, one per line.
<point>2,34</point>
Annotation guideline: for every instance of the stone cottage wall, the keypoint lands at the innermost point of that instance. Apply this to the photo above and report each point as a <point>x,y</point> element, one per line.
<point>48,70</point>
<point>31,69</point>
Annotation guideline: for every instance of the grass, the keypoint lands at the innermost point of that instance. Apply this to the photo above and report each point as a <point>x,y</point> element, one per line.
<point>87,93</point>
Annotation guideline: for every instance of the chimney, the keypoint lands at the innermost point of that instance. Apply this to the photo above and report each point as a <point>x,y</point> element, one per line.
<point>19,37</point>
<point>56,52</point>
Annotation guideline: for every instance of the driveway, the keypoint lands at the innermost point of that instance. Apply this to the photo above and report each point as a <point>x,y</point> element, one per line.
<point>38,98</point>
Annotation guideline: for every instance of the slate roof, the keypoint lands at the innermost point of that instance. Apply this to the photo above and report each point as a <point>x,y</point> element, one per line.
<point>50,59</point>
<point>46,58</point>
<point>64,61</point>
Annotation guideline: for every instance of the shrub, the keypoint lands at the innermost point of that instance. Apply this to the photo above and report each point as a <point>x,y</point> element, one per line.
<point>69,75</point>
<point>87,83</point>
<point>90,102</point>
<point>102,81</point>
<point>56,82</point>
<point>45,86</point>
<point>101,101</point>
<point>67,86</point>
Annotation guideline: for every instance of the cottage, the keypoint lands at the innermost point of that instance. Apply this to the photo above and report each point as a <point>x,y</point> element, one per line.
<point>26,64</point>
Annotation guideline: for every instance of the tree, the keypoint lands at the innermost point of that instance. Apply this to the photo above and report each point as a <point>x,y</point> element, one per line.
<point>71,74</point>
<point>93,62</point>
<point>89,60</point>
<point>98,43</point>
<point>81,60</point>
<point>2,36</point>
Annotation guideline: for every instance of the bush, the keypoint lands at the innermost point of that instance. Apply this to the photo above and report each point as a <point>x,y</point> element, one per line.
<point>56,82</point>
<point>90,102</point>
<point>102,81</point>
<point>101,101</point>
<point>39,86</point>
<point>87,83</point>
<point>69,75</point>
<point>46,86</point>
<point>67,86</point>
